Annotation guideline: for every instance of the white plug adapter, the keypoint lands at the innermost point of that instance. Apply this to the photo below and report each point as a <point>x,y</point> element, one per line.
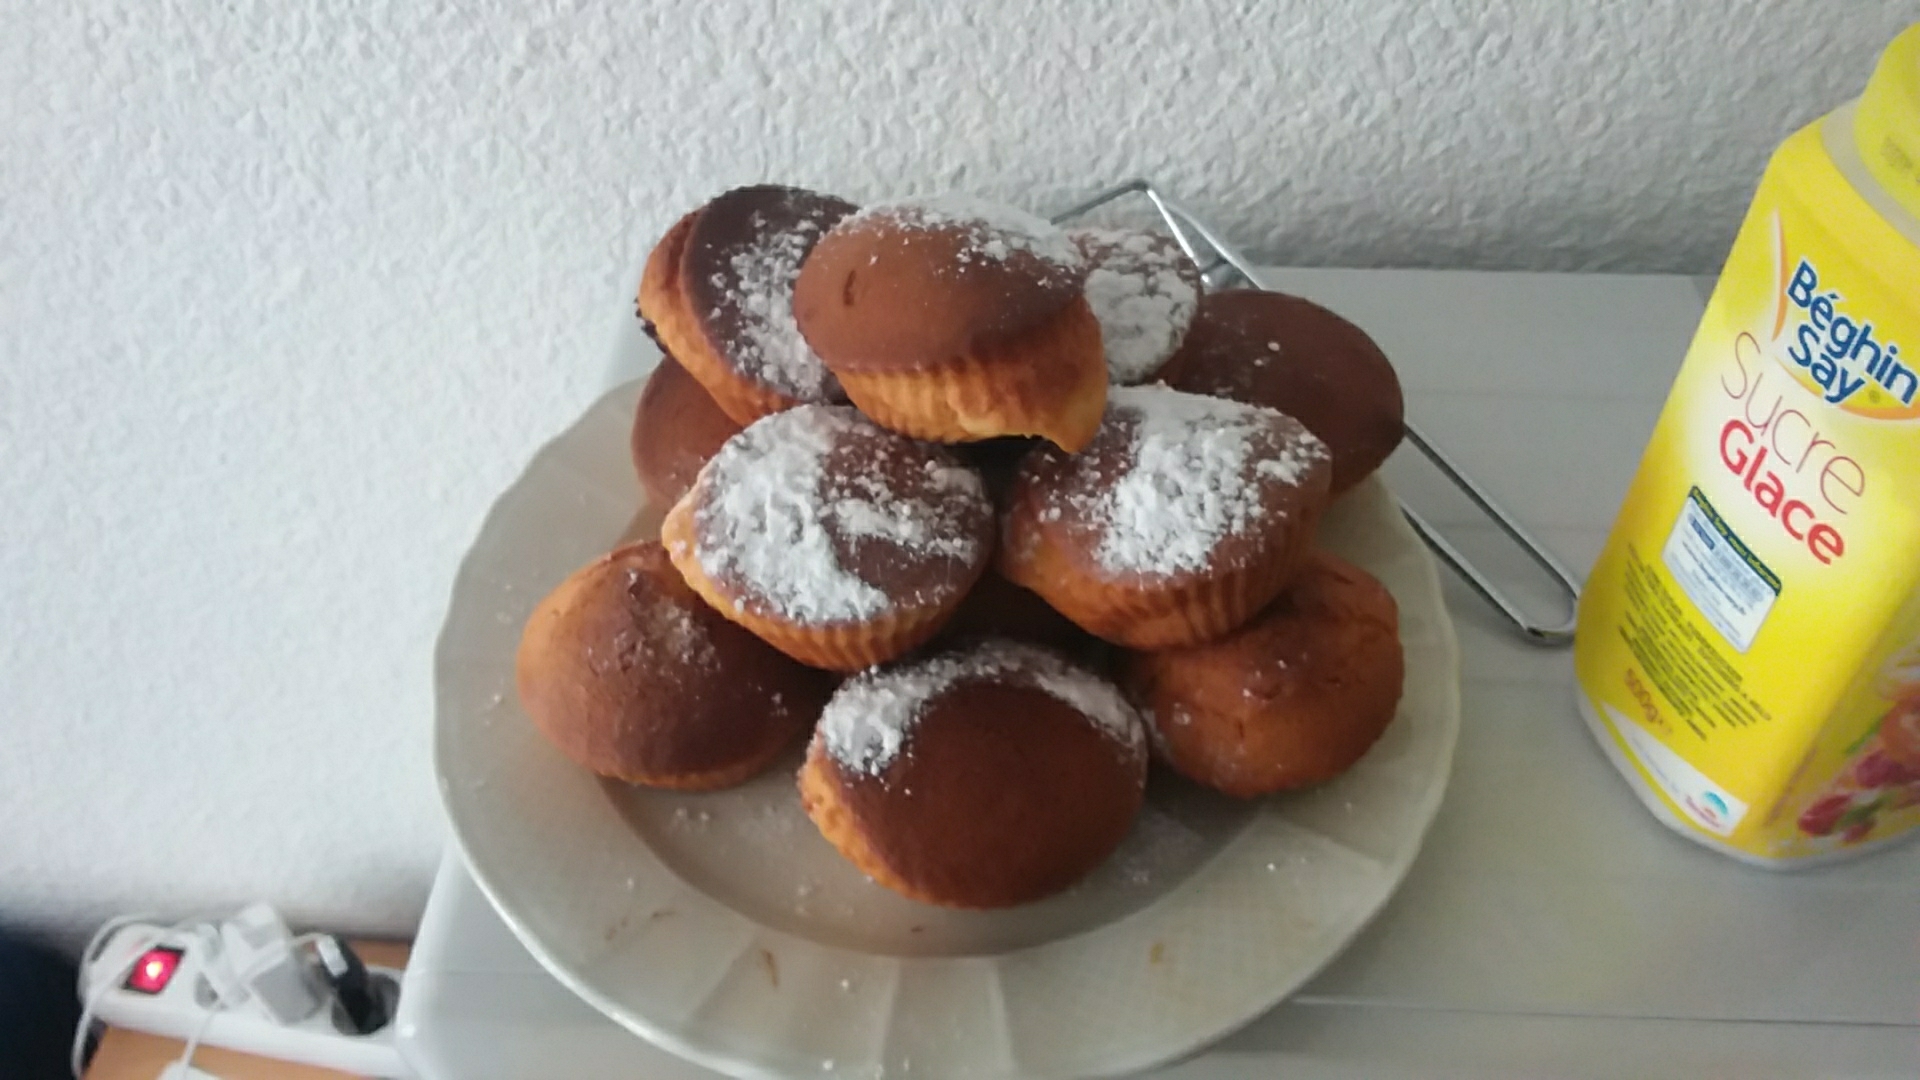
<point>258,952</point>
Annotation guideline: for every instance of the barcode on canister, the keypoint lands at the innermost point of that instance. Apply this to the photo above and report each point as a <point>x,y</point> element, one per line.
<point>1726,581</point>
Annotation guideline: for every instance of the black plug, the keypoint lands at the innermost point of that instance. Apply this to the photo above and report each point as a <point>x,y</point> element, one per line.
<point>352,987</point>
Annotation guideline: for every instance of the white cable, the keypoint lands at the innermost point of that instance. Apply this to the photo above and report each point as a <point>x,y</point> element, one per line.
<point>185,1060</point>
<point>100,936</point>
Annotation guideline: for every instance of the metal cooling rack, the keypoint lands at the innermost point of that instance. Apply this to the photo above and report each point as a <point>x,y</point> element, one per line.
<point>1222,266</point>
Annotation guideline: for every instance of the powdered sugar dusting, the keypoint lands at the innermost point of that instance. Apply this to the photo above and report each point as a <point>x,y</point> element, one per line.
<point>1139,287</point>
<point>1155,736</point>
<point>668,625</point>
<point>1095,698</point>
<point>869,509</point>
<point>870,720</point>
<point>1160,844</point>
<point>769,346</point>
<point>663,628</point>
<point>772,521</point>
<point>994,231</point>
<point>1194,472</point>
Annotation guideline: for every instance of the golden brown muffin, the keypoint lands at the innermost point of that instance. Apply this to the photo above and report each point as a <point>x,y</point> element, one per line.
<point>676,428</point>
<point>631,676</point>
<point>956,320</point>
<point>1268,348</point>
<point>1185,516</point>
<point>980,778</point>
<point>1293,698</point>
<point>1144,291</point>
<point>839,543</point>
<point>718,291</point>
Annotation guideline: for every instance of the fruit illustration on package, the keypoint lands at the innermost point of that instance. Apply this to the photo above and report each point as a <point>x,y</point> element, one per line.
<point>1882,777</point>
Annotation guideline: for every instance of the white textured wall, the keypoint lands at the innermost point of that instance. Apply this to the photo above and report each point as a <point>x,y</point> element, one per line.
<point>287,296</point>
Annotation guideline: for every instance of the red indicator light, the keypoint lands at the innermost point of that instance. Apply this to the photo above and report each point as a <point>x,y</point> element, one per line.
<point>154,970</point>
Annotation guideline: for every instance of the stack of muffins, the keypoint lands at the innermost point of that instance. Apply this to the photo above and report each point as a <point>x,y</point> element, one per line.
<point>996,512</point>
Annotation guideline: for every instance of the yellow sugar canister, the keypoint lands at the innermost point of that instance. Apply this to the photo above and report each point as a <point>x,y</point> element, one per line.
<point>1748,645</point>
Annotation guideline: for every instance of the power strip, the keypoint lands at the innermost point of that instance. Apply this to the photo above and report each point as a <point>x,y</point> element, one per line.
<point>154,978</point>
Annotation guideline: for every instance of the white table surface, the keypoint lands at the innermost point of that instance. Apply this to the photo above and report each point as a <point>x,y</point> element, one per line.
<point>1550,928</point>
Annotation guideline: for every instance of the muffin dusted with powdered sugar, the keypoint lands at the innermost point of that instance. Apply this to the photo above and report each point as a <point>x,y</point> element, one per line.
<point>1288,353</point>
<point>1183,518</point>
<point>718,290</point>
<point>956,320</point>
<point>989,775</point>
<point>839,543</point>
<point>1144,290</point>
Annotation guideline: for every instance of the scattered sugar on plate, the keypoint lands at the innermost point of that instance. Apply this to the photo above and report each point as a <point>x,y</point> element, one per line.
<point>869,721</point>
<point>686,820</point>
<point>1159,845</point>
<point>770,825</point>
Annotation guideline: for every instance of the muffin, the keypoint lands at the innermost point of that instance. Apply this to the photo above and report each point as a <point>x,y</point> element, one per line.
<point>1144,291</point>
<point>718,292</point>
<point>676,428</point>
<point>1290,354</point>
<point>1294,697</point>
<point>979,778</point>
<point>1185,516</point>
<point>632,677</point>
<point>956,320</point>
<point>839,543</point>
